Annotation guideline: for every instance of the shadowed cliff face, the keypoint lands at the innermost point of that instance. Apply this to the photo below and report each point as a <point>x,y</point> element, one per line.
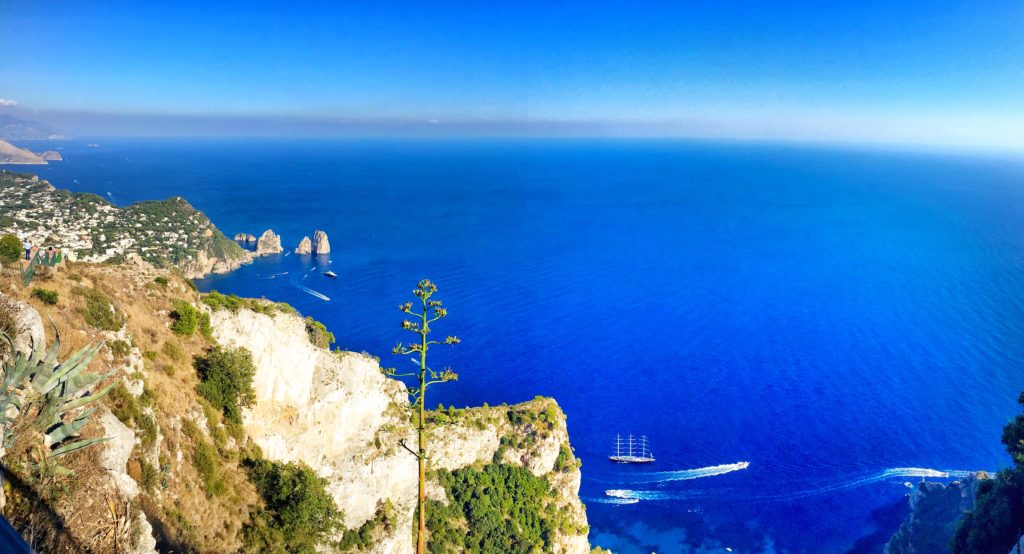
<point>935,510</point>
<point>338,413</point>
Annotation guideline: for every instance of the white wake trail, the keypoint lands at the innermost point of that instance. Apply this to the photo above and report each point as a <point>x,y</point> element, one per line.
<point>688,474</point>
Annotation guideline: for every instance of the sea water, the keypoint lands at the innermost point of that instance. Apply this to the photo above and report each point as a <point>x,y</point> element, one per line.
<point>802,332</point>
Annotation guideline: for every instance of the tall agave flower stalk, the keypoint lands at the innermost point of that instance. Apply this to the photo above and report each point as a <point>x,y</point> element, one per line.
<point>428,312</point>
<point>49,393</point>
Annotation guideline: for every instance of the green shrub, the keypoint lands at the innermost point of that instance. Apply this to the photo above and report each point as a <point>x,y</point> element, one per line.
<point>564,460</point>
<point>186,319</point>
<point>46,296</point>
<point>149,355</point>
<point>318,334</point>
<point>128,410</point>
<point>500,508</point>
<point>219,301</point>
<point>362,537</point>
<point>150,477</point>
<point>299,513</point>
<point>99,310</point>
<point>173,350</point>
<point>226,376</point>
<point>205,329</point>
<point>161,280</point>
<point>10,249</point>
<point>119,348</point>
<point>207,464</point>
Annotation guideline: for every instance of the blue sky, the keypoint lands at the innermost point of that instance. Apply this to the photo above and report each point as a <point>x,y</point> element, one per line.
<point>944,72</point>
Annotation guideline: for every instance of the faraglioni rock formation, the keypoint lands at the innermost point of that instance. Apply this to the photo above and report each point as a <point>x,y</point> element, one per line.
<point>268,243</point>
<point>305,246</point>
<point>51,156</point>
<point>245,237</point>
<point>320,243</point>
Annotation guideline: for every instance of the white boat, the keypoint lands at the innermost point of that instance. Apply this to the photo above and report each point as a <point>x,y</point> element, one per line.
<point>331,274</point>
<point>634,453</point>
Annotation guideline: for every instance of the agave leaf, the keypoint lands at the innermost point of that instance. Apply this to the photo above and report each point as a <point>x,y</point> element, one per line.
<point>77,362</point>
<point>77,445</point>
<point>85,400</point>
<point>79,382</point>
<point>69,429</point>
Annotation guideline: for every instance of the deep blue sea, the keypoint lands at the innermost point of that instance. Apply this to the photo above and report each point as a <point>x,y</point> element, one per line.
<point>828,315</point>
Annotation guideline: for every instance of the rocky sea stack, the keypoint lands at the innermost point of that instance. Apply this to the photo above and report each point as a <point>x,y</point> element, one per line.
<point>268,243</point>
<point>245,237</point>
<point>320,243</point>
<point>305,246</point>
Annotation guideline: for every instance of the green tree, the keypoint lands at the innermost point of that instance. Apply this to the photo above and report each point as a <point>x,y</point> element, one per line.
<point>10,249</point>
<point>998,516</point>
<point>299,513</point>
<point>186,318</point>
<point>226,376</point>
<point>432,311</point>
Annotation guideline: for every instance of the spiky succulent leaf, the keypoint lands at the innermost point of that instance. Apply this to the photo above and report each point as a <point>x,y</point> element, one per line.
<point>77,445</point>
<point>74,364</point>
<point>70,428</point>
<point>86,400</point>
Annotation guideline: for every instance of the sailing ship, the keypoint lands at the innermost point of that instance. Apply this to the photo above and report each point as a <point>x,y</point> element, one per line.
<point>632,451</point>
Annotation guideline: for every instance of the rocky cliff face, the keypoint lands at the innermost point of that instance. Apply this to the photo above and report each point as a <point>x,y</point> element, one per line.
<point>268,243</point>
<point>245,237</point>
<point>320,243</point>
<point>935,510</point>
<point>338,413</point>
<point>305,246</point>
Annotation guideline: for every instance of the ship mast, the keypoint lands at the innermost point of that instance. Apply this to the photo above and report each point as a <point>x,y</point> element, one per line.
<point>631,445</point>
<point>618,445</point>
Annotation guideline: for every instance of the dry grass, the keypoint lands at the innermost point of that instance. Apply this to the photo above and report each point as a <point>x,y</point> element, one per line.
<point>182,513</point>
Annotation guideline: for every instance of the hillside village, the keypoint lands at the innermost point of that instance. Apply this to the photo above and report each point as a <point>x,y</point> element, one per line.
<point>168,233</point>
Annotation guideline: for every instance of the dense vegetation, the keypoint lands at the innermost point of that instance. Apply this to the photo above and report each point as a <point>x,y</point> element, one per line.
<point>998,516</point>
<point>318,333</point>
<point>226,375</point>
<point>500,508</point>
<point>186,318</point>
<point>233,303</point>
<point>99,310</point>
<point>299,514</point>
<point>46,296</point>
<point>10,249</point>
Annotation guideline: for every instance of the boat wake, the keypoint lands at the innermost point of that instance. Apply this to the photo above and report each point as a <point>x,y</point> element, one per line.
<point>312,292</point>
<point>628,496</point>
<point>613,500</point>
<point>687,474</point>
<point>886,475</point>
<point>891,473</point>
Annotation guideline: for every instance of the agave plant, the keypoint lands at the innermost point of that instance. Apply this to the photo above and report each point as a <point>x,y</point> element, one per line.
<point>48,392</point>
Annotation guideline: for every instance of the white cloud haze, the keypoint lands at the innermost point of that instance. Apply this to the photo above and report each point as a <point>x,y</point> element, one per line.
<point>7,103</point>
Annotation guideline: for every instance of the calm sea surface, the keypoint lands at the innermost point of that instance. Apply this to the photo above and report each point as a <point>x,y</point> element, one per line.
<point>843,320</point>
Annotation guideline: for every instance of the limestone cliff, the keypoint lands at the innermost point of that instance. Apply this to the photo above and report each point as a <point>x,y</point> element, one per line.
<point>268,243</point>
<point>244,237</point>
<point>320,243</point>
<point>338,413</point>
<point>305,246</point>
